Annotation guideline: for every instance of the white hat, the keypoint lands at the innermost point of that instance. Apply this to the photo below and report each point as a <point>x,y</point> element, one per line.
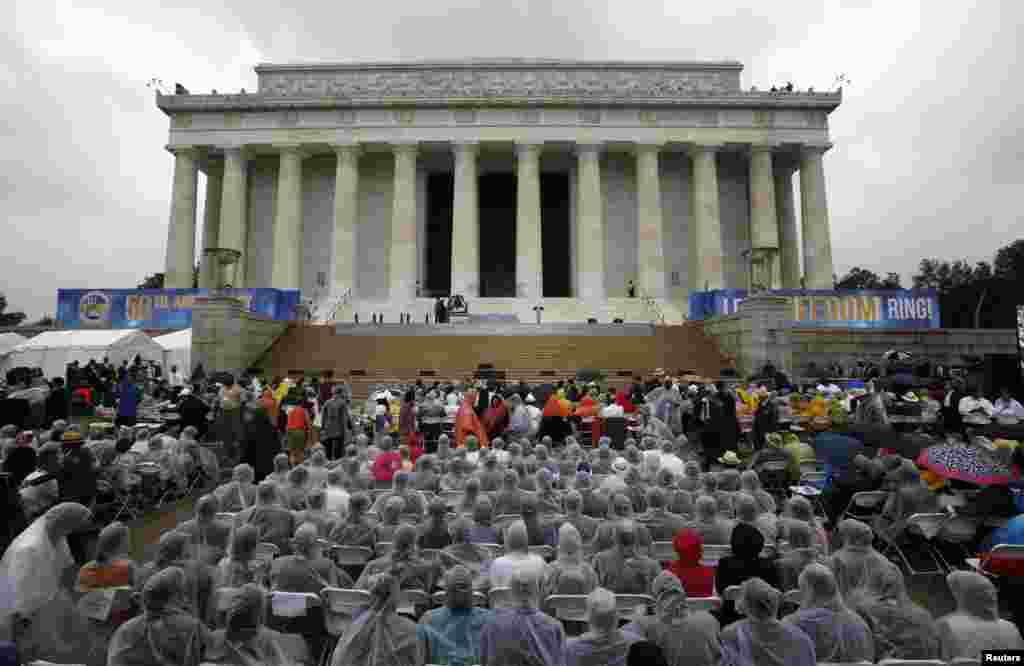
<point>186,391</point>
<point>910,397</point>
<point>530,398</point>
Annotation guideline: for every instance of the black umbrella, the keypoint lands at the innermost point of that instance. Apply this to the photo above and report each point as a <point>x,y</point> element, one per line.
<point>225,378</point>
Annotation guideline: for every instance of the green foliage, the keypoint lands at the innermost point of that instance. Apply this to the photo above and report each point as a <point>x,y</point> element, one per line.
<point>862,278</point>
<point>9,318</point>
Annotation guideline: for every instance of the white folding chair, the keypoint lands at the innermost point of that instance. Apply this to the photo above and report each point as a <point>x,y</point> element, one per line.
<point>500,597</point>
<point>494,550</point>
<point>382,548</point>
<point>504,520</point>
<point>629,605</point>
<point>663,551</point>
<point>292,604</point>
<point>412,599</point>
<point>568,607</point>
<point>792,597</point>
<point>351,556</point>
<point>345,601</point>
<point>864,505</point>
<point>479,599</point>
<point>704,603</point>
<point>227,516</point>
<point>732,593</point>
<point>713,553</point>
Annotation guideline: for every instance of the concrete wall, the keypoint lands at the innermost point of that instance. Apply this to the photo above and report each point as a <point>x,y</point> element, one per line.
<point>760,332</point>
<point>227,337</point>
<point>260,243</point>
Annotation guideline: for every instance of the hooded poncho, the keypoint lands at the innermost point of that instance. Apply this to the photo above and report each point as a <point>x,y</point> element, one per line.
<point>902,629</point>
<point>839,635</point>
<point>522,636</point>
<point>686,638</point>
<point>569,574</point>
<point>975,626</point>
<point>697,579</point>
<point>761,640</point>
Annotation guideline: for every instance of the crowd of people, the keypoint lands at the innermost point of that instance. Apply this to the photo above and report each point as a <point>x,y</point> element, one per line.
<point>532,535</point>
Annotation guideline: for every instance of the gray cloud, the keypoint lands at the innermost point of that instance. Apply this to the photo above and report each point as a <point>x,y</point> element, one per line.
<point>928,142</point>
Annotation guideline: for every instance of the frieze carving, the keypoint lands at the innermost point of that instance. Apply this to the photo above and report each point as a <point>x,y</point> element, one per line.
<point>439,83</point>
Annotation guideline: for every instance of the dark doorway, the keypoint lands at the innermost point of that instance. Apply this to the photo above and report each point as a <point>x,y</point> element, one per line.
<point>497,192</point>
<point>554,224</point>
<point>440,197</point>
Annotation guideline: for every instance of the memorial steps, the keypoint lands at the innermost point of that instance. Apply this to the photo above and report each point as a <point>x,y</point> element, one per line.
<point>369,355</point>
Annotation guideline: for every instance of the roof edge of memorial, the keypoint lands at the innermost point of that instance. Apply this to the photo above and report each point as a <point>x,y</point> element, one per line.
<point>502,63</point>
<point>827,101</point>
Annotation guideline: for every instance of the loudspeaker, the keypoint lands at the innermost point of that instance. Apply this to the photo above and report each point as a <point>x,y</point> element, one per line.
<point>591,321</point>
<point>617,320</point>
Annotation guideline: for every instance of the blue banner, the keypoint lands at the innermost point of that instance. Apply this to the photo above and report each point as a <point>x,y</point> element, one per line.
<point>869,308</point>
<point>159,308</point>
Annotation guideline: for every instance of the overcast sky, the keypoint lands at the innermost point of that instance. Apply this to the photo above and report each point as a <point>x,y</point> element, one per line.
<point>929,140</point>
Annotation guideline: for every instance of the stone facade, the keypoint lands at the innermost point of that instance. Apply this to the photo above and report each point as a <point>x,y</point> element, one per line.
<point>664,186</point>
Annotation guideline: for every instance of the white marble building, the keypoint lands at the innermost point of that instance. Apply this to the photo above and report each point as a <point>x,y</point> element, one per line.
<point>512,182</point>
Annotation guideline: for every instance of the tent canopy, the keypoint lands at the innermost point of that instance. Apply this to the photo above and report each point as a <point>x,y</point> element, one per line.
<point>53,350</point>
<point>177,348</point>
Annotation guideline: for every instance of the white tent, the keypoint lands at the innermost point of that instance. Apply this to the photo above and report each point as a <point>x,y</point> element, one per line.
<point>9,341</point>
<point>53,350</point>
<point>177,350</point>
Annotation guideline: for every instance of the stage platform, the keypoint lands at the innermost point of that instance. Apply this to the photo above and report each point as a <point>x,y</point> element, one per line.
<point>487,328</point>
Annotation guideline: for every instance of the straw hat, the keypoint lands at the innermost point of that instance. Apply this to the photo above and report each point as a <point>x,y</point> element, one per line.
<point>730,458</point>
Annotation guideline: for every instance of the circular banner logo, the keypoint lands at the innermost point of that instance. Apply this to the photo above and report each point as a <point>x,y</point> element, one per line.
<point>94,308</point>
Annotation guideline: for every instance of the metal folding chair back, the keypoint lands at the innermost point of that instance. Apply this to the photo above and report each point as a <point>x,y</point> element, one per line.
<point>345,601</point>
<point>704,603</point>
<point>629,605</point>
<point>382,548</point>
<point>494,550</point>
<point>865,504</point>
<point>351,556</point>
<point>500,597</point>
<point>265,552</point>
<point>713,553</point>
<point>546,552</point>
<point>568,607</point>
<point>663,551</point>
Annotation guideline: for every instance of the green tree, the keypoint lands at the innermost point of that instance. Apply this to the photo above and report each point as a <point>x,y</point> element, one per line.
<point>862,278</point>
<point>9,318</point>
<point>1009,263</point>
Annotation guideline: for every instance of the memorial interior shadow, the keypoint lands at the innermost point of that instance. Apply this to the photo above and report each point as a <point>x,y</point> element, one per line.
<point>497,196</point>
<point>497,193</point>
<point>440,198</point>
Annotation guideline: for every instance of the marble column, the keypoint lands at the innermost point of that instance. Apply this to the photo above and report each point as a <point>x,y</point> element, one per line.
<point>650,242</point>
<point>818,269</point>
<point>466,222</point>
<point>789,242</point>
<point>402,259</point>
<point>288,236</point>
<point>529,253</point>
<point>705,252</point>
<point>590,259</point>
<point>346,219</point>
<point>181,230</point>
<point>209,271</point>
<point>764,223</point>
<point>234,213</point>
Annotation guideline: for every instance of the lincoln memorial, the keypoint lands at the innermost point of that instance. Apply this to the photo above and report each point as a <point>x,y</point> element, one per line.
<point>376,187</point>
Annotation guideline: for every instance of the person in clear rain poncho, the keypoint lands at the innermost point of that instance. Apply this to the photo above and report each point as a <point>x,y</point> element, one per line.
<point>522,636</point>
<point>975,625</point>
<point>404,562</point>
<point>857,559</point>
<point>451,635</point>
<point>209,534</point>
<point>621,568</point>
<point>569,573</point>
<point>761,640</point>
<point>166,634</point>
<point>275,523</point>
<point>379,636</point>
<point>902,629</point>
<point>463,552</point>
<point>246,641</point>
<point>802,552</point>
<point>517,556</point>
<point>604,643</point>
<point>36,575</point>
<point>686,638</point>
<point>839,634</point>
